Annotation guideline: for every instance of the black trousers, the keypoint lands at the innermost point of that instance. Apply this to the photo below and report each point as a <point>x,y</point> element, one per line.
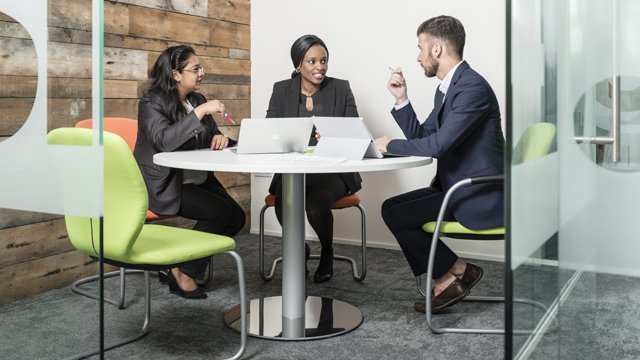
<point>404,215</point>
<point>216,211</point>
<point>321,191</point>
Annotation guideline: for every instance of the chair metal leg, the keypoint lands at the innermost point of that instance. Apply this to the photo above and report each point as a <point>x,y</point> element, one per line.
<point>75,287</point>
<point>363,238</point>
<point>145,326</point>
<point>420,290</point>
<point>209,274</point>
<point>243,306</point>
<point>429,282</point>
<point>263,275</point>
<point>354,264</point>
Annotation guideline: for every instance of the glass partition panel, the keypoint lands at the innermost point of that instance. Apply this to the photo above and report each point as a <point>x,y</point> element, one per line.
<point>579,237</point>
<point>50,77</point>
<point>533,180</point>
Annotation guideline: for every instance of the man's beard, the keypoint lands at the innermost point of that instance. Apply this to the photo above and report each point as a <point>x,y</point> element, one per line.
<point>432,70</point>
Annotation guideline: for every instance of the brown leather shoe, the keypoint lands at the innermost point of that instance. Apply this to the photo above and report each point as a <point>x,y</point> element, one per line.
<point>472,274</point>
<point>455,292</point>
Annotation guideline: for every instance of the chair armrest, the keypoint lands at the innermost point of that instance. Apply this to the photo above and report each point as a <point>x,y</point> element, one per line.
<point>459,184</point>
<point>486,179</point>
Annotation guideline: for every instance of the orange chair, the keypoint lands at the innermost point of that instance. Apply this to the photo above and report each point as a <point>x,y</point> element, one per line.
<point>352,200</point>
<point>128,130</point>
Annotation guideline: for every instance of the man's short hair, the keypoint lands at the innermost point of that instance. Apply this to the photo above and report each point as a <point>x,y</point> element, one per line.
<point>445,28</point>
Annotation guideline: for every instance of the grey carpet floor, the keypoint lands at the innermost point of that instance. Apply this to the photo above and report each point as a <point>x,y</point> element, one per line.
<point>60,323</point>
<point>600,320</point>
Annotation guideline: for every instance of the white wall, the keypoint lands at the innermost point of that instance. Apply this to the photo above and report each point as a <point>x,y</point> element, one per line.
<point>364,37</point>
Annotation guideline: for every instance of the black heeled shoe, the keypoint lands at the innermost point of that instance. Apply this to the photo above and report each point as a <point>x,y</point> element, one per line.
<point>325,268</point>
<point>162,276</point>
<point>175,289</point>
<point>307,254</point>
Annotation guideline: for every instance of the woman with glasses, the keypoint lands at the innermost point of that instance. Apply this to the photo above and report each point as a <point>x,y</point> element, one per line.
<point>172,116</point>
<point>310,92</point>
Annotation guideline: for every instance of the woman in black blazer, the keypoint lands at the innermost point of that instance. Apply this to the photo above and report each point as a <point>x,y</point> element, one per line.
<point>173,116</point>
<point>310,92</point>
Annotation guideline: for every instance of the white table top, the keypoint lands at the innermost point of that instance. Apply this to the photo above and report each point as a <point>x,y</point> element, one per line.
<point>226,160</point>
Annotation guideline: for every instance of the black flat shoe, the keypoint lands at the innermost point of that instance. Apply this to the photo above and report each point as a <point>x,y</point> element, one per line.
<point>175,289</point>
<point>162,276</point>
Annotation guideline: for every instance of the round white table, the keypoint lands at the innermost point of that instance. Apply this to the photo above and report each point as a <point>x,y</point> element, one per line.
<point>292,316</point>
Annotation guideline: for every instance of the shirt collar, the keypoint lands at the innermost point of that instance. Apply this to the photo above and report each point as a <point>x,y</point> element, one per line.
<point>444,85</point>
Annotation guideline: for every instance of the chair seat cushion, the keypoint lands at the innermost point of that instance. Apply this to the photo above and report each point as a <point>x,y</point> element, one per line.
<point>453,227</point>
<point>159,245</point>
<point>344,202</point>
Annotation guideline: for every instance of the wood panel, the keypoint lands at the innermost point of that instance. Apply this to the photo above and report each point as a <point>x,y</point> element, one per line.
<point>225,91</point>
<point>125,64</point>
<point>229,180</point>
<point>70,14</point>
<point>52,272</point>
<point>74,60</point>
<point>35,254</point>
<point>18,86</point>
<point>231,35</point>
<point>25,87</point>
<point>13,113</point>
<point>13,29</point>
<point>33,241</point>
<point>157,45</point>
<point>18,57</point>
<point>193,7</point>
<point>177,27</point>
<point>238,11</point>
<point>12,218</point>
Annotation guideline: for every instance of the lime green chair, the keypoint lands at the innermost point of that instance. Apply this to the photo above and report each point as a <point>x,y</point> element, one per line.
<point>534,143</point>
<point>127,241</point>
<point>127,129</point>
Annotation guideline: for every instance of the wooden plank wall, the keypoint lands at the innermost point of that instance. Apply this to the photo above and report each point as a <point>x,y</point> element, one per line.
<point>35,254</point>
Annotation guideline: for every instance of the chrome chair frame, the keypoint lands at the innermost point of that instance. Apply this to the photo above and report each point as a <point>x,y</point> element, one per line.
<point>354,265</point>
<point>147,309</point>
<point>122,272</point>
<point>432,254</point>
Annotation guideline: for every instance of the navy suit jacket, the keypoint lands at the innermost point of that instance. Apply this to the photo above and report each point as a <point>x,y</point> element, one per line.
<point>337,99</point>
<point>465,135</point>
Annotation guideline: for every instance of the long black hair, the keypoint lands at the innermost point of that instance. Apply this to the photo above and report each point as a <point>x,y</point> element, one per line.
<point>161,81</point>
<point>300,47</point>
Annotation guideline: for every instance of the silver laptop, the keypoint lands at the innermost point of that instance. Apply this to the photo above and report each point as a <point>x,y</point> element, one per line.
<point>274,135</point>
<point>346,137</point>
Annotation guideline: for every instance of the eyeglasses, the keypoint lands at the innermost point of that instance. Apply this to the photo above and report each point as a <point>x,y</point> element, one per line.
<point>196,70</point>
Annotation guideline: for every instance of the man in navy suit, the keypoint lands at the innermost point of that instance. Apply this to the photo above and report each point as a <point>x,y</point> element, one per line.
<point>463,133</point>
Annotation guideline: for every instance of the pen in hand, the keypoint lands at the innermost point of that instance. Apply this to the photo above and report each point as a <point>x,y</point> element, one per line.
<point>228,117</point>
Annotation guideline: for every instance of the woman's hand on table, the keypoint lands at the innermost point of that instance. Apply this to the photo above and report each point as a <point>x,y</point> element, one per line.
<point>219,142</point>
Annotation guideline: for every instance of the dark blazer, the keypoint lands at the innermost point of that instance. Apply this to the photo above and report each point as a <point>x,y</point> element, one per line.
<point>337,99</point>
<point>157,133</point>
<point>465,135</point>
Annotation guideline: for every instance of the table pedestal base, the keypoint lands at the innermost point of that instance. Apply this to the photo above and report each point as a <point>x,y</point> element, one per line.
<point>324,317</point>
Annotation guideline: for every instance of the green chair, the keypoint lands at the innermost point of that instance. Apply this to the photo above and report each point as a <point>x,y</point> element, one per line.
<point>127,241</point>
<point>534,143</point>
<point>127,129</point>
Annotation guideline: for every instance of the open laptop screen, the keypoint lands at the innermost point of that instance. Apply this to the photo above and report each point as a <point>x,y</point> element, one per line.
<point>352,128</point>
<point>274,135</point>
